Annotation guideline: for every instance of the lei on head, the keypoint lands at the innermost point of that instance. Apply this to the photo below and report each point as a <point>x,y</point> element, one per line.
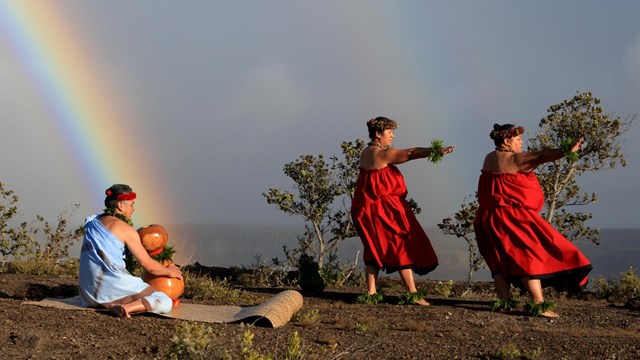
<point>382,124</point>
<point>506,134</point>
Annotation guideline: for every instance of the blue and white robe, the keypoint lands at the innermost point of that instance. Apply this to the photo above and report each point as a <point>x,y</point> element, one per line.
<point>104,279</point>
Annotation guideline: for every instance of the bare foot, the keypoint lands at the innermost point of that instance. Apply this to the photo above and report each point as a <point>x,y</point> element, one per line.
<point>423,302</point>
<point>119,311</point>
<point>550,314</point>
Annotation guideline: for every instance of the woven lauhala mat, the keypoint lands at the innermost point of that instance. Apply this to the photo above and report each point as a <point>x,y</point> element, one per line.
<point>274,312</point>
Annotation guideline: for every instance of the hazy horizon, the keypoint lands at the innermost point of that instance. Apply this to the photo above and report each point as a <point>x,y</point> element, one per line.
<point>238,245</point>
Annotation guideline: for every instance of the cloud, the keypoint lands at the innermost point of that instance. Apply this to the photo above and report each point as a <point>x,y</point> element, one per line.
<point>270,93</point>
<point>630,62</point>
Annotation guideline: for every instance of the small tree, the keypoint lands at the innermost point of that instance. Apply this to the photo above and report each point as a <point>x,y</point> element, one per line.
<point>581,116</point>
<point>461,225</point>
<point>14,242</point>
<point>318,187</point>
<point>25,248</point>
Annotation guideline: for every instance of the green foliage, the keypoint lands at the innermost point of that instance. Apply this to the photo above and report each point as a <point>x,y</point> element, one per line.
<point>336,273</point>
<point>134,267</point>
<point>191,340</point>
<point>8,210</point>
<point>362,327</point>
<point>274,273</point>
<point>566,146</point>
<point>537,309</point>
<point>444,288</point>
<point>310,316</point>
<point>511,352</point>
<point>435,155</point>
<point>294,350</point>
<point>581,116</point>
<point>409,298</point>
<point>37,265</point>
<point>504,305</point>
<point>36,247</point>
<point>461,225</point>
<point>204,288</point>
<point>367,298</point>
<point>626,288</point>
<point>322,197</point>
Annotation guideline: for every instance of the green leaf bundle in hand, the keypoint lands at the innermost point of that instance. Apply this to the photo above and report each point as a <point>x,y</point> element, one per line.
<point>566,146</point>
<point>435,155</point>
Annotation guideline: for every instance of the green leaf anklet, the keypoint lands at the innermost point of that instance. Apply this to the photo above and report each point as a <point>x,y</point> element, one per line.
<point>503,304</point>
<point>410,298</point>
<point>540,308</point>
<point>367,298</point>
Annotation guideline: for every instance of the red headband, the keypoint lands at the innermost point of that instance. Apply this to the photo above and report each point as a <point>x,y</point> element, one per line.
<point>122,197</point>
<point>129,196</point>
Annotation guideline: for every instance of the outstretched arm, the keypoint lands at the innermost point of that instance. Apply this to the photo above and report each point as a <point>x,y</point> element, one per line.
<point>530,160</point>
<point>399,156</point>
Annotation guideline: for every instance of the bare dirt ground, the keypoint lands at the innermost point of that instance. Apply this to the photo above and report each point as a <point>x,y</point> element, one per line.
<point>452,328</point>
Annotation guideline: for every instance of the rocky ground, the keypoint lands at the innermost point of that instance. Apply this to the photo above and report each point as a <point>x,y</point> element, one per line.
<point>455,327</point>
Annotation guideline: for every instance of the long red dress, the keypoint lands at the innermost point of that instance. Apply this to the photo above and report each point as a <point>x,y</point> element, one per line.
<point>392,236</point>
<point>516,241</point>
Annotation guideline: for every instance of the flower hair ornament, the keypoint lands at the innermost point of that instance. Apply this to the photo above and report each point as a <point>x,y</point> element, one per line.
<point>382,124</point>
<point>506,134</point>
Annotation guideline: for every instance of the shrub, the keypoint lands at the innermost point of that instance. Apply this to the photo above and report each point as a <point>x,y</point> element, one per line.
<point>42,266</point>
<point>35,247</point>
<point>444,288</point>
<point>626,288</point>
<point>191,341</point>
<point>204,288</point>
<point>311,316</point>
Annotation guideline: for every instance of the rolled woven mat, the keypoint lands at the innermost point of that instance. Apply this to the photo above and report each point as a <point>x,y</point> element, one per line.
<point>274,312</point>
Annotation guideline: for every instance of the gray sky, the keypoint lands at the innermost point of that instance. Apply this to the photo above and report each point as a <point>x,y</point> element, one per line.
<point>210,99</point>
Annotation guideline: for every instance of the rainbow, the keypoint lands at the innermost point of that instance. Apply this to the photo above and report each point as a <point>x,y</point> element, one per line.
<point>88,116</point>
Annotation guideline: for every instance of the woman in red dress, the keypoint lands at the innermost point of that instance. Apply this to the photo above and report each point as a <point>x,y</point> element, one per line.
<point>392,237</point>
<point>518,245</point>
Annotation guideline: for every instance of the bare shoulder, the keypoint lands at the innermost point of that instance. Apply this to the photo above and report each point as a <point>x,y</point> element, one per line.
<point>119,228</point>
<point>490,162</point>
<point>500,162</point>
<point>373,158</point>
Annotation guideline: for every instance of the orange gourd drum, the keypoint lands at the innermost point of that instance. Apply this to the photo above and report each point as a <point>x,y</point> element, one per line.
<point>153,237</point>
<point>173,287</point>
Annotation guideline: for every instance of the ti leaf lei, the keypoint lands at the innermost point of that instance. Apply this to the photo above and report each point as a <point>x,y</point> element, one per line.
<point>538,309</point>
<point>112,212</point>
<point>410,298</point>
<point>566,146</point>
<point>503,304</point>
<point>435,155</point>
<point>367,298</point>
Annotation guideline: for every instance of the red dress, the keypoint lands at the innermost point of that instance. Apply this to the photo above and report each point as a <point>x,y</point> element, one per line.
<point>392,236</point>
<point>516,241</point>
